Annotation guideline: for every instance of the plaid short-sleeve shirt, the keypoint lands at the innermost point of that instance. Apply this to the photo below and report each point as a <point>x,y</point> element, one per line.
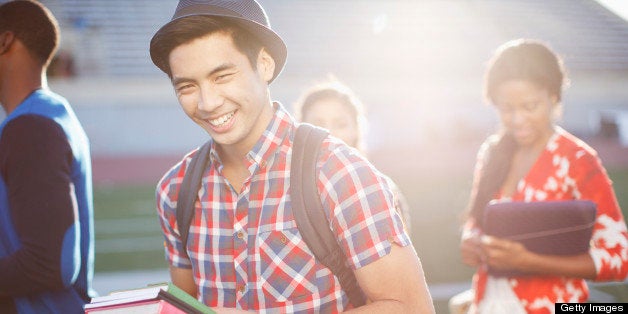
<point>244,247</point>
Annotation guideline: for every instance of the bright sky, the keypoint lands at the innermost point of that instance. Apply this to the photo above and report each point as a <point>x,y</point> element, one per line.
<point>620,7</point>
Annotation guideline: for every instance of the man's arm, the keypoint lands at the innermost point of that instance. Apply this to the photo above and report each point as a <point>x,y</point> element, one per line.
<point>180,267</point>
<point>370,231</point>
<point>395,284</point>
<point>36,165</point>
<point>184,279</point>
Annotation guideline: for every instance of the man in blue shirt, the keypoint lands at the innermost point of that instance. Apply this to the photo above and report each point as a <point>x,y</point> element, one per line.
<point>46,212</point>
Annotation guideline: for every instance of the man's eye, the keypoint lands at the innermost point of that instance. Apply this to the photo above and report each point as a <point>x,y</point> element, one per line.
<point>223,77</point>
<point>185,87</point>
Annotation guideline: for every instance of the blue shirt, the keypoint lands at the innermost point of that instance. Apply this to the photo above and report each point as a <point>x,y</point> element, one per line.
<point>46,199</point>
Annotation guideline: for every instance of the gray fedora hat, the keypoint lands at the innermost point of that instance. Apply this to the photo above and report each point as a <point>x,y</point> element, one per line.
<point>247,14</point>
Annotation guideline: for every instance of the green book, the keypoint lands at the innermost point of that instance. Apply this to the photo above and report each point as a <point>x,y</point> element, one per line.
<point>165,291</point>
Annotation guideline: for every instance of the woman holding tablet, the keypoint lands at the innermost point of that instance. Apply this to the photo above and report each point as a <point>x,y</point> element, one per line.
<point>532,159</point>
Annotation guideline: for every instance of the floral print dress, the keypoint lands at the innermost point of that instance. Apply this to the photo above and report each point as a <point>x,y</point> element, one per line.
<point>567,169</point>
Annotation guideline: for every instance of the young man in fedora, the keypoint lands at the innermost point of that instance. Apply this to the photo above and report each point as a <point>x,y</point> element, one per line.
<point>46,238</point>
<point>244,251</point>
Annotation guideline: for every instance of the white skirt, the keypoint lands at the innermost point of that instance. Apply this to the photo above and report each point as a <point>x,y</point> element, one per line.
<point>499,298</point>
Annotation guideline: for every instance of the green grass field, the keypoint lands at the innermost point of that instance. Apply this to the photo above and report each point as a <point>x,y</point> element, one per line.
<point>128,235</point>
<point>620,184</point>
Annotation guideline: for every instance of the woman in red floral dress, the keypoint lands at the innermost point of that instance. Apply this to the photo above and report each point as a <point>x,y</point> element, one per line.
<point>532,159</point>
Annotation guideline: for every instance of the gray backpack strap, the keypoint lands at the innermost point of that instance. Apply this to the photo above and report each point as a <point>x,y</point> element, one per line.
<point>309,214</point>
<point>188,192</point>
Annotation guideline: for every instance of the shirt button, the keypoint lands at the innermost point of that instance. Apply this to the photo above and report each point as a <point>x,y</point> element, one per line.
<point>283,239</point>
<point>241,288</point>
<point>240,235</point>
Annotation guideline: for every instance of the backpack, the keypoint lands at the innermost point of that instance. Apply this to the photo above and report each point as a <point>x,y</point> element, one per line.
<point>306,205</point>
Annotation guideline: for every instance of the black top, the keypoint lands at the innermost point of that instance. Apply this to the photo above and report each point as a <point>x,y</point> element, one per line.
<point>35,163</point>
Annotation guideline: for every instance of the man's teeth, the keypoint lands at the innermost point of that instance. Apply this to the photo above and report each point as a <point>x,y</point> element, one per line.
<point>221,120</point>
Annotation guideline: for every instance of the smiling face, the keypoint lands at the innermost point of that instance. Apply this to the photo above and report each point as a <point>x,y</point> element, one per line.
<point>221,91</point>
<point>526,111</point>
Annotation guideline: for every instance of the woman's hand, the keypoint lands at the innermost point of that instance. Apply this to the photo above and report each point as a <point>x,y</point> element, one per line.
<point>471,249</point>
<point>503,254</point>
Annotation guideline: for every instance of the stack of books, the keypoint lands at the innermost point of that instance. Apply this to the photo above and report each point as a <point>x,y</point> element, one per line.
<point>160,298</point>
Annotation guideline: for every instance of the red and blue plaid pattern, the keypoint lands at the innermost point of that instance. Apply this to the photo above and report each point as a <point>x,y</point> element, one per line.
<point>245,249</point>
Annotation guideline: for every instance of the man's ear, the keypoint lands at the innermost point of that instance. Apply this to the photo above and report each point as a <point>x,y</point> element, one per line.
<point>6,39</point>
<point>265,65</point>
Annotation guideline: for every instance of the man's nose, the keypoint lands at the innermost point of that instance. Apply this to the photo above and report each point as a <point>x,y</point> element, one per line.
<point>210,99</point>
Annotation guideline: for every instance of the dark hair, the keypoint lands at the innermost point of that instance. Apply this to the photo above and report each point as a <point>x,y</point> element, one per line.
<point>525,59</point>
<point>33,25</point>
<point>521,59</point>
<point>496,157</point>
<point>184,30</point>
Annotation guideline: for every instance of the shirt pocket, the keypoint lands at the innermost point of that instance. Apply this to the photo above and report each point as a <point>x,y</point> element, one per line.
<point>287,266</point>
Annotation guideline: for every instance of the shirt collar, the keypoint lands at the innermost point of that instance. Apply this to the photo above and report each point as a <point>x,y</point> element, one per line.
<point>269,143</point>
